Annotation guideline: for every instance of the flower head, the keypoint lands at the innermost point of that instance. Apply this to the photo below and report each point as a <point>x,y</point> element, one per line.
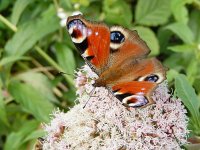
<point>106,124</point>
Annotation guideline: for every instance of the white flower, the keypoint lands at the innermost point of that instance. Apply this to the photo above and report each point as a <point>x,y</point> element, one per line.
<point>106,124</point>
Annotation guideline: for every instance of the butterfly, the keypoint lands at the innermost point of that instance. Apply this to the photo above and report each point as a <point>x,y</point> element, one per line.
<point>119,57</point>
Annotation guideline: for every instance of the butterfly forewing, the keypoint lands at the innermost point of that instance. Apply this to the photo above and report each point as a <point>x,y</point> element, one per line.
<point>92,40</point>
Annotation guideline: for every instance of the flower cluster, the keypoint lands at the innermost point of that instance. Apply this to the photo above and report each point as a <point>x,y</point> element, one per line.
<point>104,123</point>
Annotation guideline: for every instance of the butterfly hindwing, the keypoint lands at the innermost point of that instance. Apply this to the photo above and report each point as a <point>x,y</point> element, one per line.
<point>134,83</point>
<point>134,94</point>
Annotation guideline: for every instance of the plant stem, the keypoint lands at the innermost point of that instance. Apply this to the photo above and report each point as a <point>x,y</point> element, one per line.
<point>8,23</point>
<point>53,63</point>
<point>40,51</point>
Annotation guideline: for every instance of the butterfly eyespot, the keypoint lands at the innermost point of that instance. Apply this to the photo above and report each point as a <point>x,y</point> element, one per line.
<point>135,100</point>
<point>73,23</point>
<point>152,78</point>
<point>117,37</point>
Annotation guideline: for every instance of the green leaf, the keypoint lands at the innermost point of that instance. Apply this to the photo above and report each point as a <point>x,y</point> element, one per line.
<point>34,135</point>
<point>179,10</point>
<point>196,85</point>
<point>192,146</point>
<point>81,2</point>
<point>18,8</point>
<point>194,24</point>
<point>11,59</point>
<point>117,12</point>
<point>183,48</point>
<point>4,4</point>
<point>175,58</point>
<point>150,38</point>
<point>70,96</point>
<point>65,58</point>
<point>66,4</point>
<point>31,100</point>
<point>171,74</point>
<point>3,115</point>
<point>40,82</point>
<point>192,70</point>
<point>182,31</point>
<point>187,94</point>
<point>163,37</point>
<point>32,31</point>
<point>14,139</point>
<point>152,12</point>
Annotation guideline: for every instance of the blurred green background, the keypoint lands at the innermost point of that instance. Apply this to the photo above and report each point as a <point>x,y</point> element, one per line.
<point>35,47</point>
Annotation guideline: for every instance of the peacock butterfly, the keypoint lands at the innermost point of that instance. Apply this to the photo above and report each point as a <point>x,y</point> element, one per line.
<point>119,57</point>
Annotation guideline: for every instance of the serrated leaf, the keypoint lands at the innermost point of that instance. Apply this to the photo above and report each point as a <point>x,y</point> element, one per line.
<point>65,58</point>
<point>179,10</point>
<point>117,12</point>
<point>31,100</point>
<point>182,31</point>
<point>187,94</point>
<point>18,8</point>
<point>32,31</point>
<point>152,12</point>
<point>40,82</point>
<point>150,38</point>
<point>14,139</point>
<point>194,24</point>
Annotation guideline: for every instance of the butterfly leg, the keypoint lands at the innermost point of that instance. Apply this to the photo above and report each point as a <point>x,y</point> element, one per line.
<point>91,93</point>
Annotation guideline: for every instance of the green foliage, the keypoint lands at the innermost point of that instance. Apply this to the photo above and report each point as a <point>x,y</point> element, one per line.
<point>117,12</point>
<point>152,13</point>
<point>63,53</point>
<point>16,139</point>
<point>34,48</point>
<point>30,98</point>
<point>149,36</point>
<point>190,100</point>
<point>182,31</point>
<point>31,31</point>
<point>18,9</point>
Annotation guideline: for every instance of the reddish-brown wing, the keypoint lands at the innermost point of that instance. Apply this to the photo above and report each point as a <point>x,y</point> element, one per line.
<point>134,93</point>
<point>98,48</point>
<point>92,39</point>
<point>118,55</point>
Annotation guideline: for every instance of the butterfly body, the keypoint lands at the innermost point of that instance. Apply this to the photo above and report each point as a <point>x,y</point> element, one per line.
<point>118,56</point>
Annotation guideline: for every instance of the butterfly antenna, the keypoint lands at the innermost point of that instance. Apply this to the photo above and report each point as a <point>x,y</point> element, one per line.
<point>62,73</point>
<point>90,97</point>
